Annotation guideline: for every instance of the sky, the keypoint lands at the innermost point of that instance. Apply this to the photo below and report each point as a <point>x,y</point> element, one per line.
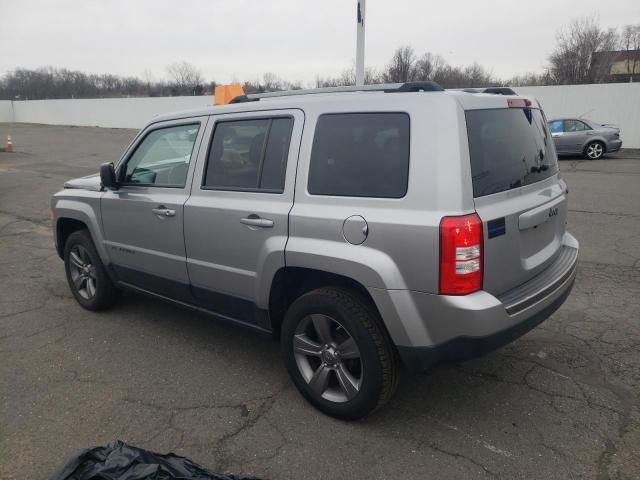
<point>231,40</point>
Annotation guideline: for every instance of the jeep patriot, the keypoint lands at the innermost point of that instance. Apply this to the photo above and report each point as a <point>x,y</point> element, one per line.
<point>367,228</point>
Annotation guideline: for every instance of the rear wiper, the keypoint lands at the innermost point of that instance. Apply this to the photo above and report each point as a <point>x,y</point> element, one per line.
<point>541,168</point>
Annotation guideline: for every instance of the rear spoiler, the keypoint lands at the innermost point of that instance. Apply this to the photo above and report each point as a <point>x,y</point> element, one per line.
<point>494,90</point>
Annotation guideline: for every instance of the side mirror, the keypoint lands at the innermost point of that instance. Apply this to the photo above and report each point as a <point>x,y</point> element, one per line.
<point>108,176</point>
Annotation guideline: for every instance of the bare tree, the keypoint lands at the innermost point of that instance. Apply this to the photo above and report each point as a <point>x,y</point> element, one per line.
<point>477,76</point>
<point>630,43</point>
<point>272,83</point>
<point>185,78</point>
<point>401,67</point>
<point>427,66</point>
<point>571,62</point>
<point>348,77</point>
<point>530,79</point>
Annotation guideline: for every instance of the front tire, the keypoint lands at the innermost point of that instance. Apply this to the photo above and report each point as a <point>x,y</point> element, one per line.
<point>338,354</point>
<point>594,151</point>
<point>86,275</point>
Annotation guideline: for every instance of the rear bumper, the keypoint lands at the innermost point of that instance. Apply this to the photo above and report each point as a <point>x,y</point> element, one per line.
<point>432,329</point>
<point>465,348</point>
<point>614,145</point>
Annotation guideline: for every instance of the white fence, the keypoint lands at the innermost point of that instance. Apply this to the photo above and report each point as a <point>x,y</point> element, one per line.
<point>100,112</point>
<point>6,111</point>
<point>617,103</point>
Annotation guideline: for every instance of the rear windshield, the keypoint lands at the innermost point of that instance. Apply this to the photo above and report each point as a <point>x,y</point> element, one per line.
<point>509,148</point>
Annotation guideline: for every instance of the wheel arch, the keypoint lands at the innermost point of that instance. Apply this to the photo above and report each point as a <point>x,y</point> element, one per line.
<point>71,215</point>
<point>289,283</point>
<point>65,226</point>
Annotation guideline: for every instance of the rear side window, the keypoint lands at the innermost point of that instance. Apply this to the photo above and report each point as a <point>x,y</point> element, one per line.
<point>574,126</point>
<point>360,155</point>
<point>249,155</point>
<point>509,148</point>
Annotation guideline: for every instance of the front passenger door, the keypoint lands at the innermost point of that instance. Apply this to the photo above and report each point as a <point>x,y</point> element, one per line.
<point>143,218</point>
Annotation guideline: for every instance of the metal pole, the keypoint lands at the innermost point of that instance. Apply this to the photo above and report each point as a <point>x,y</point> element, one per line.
<point>360,43</point>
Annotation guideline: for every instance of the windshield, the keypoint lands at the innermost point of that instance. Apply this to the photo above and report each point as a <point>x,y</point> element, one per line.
<point>509,148</point>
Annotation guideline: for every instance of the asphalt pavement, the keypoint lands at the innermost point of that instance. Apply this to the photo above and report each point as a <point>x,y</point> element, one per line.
<point>561,402</point>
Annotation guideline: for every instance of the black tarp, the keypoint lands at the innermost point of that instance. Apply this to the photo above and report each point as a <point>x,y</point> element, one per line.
<point>119,461</point>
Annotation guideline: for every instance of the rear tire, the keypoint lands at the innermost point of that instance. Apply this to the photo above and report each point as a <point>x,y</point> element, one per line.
<point>594,150</point>
<point>338,354</point>
<point>87,277</point>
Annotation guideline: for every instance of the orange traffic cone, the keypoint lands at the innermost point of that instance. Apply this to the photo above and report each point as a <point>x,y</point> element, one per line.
<point>9,144</point>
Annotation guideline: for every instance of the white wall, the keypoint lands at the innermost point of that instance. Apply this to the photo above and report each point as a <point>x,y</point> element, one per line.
<point>617,103</point>
<point>6,111</point>
<point>103,112</point>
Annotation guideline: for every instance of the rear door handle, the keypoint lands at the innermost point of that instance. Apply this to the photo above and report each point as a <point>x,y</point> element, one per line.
<point>254,220</point>
<point>163,211</point>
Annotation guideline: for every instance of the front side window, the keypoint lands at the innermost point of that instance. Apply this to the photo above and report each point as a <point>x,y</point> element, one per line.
<point>556,126</point>
<point>360,155</point>
<point>249,155</point>
<point>163,157</point>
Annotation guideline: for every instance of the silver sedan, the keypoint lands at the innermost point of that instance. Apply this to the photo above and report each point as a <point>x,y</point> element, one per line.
<point>586,137</point>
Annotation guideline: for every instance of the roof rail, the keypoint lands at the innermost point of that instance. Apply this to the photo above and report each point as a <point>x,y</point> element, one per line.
<point>380,87</point>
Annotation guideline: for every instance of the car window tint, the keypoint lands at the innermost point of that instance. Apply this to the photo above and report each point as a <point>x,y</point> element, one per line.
<point>276,154</point>
<point>249,155</point>
<point>509,148</point>
<point>235,154</point>
<point>360,155</point>
<point>162,158</point>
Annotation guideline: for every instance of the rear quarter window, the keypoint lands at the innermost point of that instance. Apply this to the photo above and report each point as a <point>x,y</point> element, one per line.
<point>509,148</point>
<point>360,155</point>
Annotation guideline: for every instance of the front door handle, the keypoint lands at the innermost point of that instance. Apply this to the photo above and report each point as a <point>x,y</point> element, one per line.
<point>163,211</point>
<point>254,220</point>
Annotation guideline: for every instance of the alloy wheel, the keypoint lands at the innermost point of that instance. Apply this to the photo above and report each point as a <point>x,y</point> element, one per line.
<point>594,151</point>
<point>328,358</point>
<point>83,273</point>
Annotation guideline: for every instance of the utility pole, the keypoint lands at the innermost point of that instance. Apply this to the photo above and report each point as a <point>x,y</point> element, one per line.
<point>360,43</point>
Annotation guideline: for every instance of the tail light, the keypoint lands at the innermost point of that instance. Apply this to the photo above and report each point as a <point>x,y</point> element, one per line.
<point>460,255</point>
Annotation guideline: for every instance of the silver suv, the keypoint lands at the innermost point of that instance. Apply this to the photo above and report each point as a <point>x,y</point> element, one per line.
<point>367,229</point>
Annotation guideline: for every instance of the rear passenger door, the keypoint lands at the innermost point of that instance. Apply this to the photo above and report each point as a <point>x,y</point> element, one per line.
<point>236,219</point>
<point>575,136</point>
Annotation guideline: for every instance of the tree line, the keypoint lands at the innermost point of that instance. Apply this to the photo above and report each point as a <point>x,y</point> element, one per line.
<point>571,62</point>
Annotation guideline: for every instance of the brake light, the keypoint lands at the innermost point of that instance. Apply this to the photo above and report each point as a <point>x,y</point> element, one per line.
<point>518,102</point>
<point>460,255</point>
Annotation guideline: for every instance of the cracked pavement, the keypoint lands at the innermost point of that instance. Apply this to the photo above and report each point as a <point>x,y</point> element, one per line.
<point>561,402</point>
